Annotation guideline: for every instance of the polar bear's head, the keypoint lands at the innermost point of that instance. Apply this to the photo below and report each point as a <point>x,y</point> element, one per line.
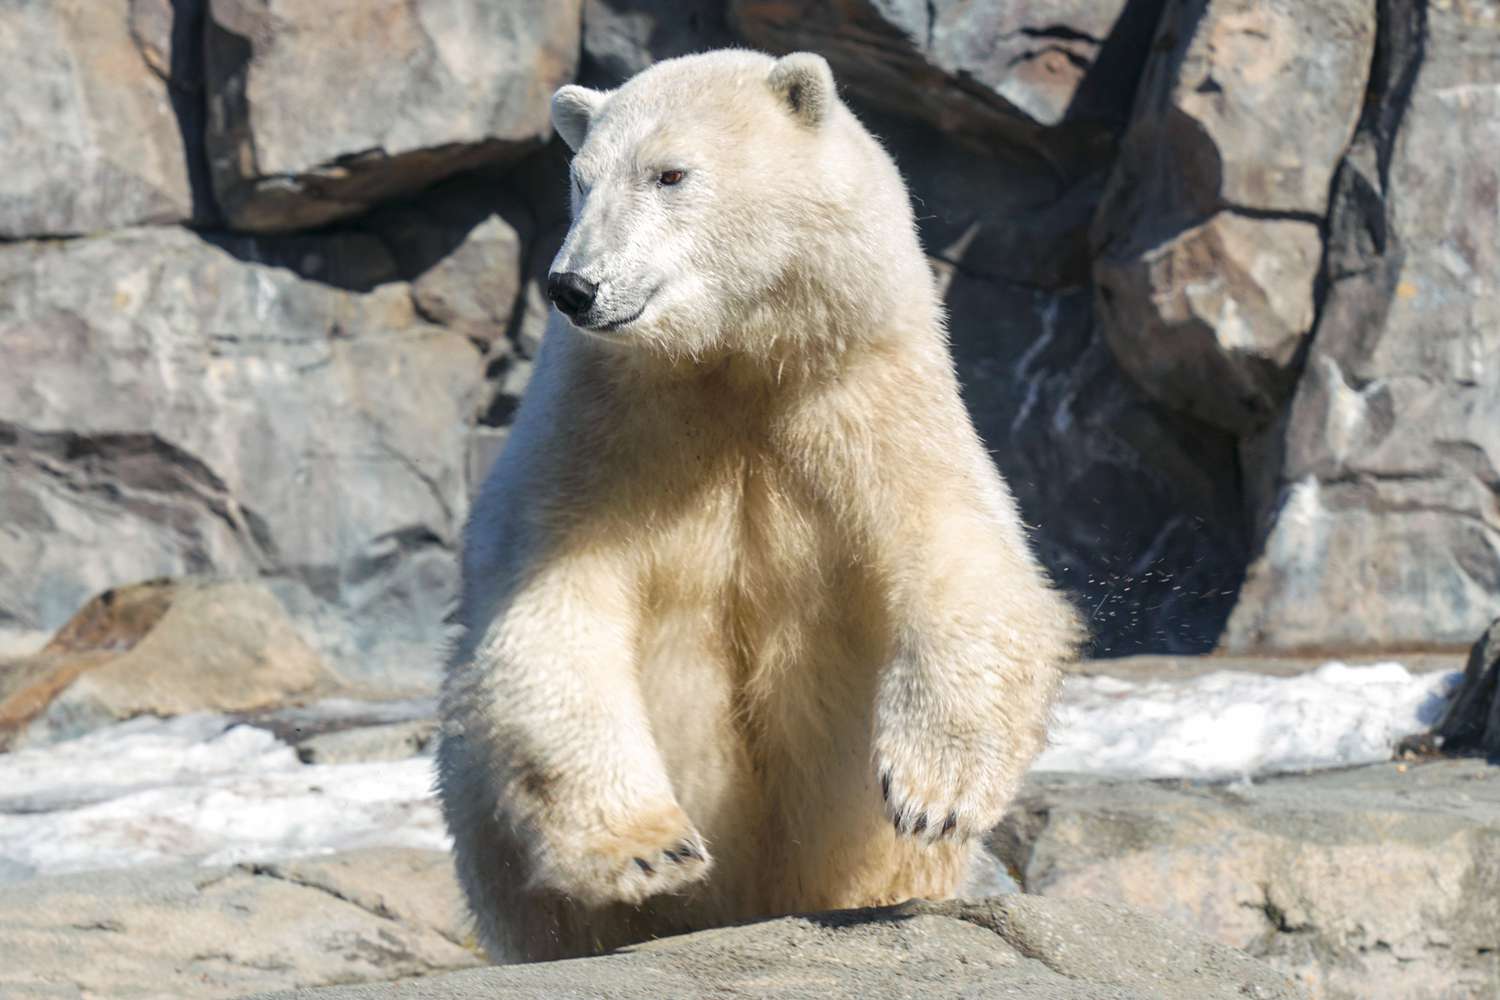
<point>729,202</point>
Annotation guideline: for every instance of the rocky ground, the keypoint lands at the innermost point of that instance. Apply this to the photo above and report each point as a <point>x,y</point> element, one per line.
<point>1373,881</point>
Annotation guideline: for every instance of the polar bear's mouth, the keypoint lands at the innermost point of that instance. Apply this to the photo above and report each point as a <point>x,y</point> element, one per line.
<point>615,324</point>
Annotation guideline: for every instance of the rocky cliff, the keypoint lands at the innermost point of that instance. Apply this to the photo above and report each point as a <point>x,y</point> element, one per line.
<point>1221,277</point>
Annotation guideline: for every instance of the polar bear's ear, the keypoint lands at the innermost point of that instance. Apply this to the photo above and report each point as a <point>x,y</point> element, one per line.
<point>804,81</point>
<point>573,108</point>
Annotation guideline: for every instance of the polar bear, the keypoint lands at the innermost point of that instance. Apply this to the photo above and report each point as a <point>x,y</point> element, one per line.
<point>749,621</point>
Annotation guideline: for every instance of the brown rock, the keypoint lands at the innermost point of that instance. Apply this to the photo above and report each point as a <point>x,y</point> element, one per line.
<point>161,649</point>
<point>988,71</point>
<point>178,404</point>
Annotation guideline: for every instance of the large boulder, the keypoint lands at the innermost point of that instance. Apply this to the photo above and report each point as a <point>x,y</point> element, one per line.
<point>1208,239</point>
<point>176,404</point>
<point>1380,524</point>
<point>187,933</point>
<point>97,116</point>
<point>1053,949</point>
<point>1374,882</point>
<point>318,111</point>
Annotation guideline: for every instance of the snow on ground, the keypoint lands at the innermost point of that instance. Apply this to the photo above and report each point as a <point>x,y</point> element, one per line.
<point>199,788</point>
<point>1232,725</point>
<point>203,788</point>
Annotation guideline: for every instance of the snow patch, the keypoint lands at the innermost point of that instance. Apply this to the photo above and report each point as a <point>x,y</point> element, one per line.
<point>204,788</point>
<point>1233,725</point>
<point>199,788</point>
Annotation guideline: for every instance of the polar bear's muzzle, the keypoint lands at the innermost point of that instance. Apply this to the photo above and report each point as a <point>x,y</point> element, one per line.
<point>572,293</point>
<point>578,298</point>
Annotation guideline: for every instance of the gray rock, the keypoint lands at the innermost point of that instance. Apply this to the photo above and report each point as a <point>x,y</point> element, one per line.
<point>1011,73</point>
<point>1472,722</point>
<point>404,95</point>
<point>394,741</point>
<point>1208,238</point>
<point>1013,946</point>
<point>96,116</point>
<point>186,932</point>
<point>176,404</point>
<point>1379,520</point>
<point>1377,881</point>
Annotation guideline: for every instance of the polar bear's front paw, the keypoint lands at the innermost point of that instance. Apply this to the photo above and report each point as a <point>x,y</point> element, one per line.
<point>652,854</point>
<point>935,783</point>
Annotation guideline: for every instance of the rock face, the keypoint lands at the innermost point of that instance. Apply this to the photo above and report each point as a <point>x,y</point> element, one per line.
<point>1053,949</point>
<point>1207,241</point>
<point>186,932</point>
<point>96,117</point>
<point>161,649</point>
<point>1220,276</point>
<point>1382,520</point>
<point>404,94</point>
<point>177,404</point>
<point>1376,882</point>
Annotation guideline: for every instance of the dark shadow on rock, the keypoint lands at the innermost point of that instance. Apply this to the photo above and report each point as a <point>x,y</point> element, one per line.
<point>1108,89</point>
<point>1136,511</point>
<point>623,37</point>
<point>187,89</point>
<point>346,259</point>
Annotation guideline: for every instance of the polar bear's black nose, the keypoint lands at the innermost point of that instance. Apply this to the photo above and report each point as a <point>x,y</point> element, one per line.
<point>572,293</point>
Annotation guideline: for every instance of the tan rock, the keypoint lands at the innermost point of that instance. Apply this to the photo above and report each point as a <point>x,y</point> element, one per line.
<point>161,649</point>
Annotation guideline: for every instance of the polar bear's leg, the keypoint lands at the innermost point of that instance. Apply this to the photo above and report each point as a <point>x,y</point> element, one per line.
<point>963,704</point>
<point>687,678</point>
<point>547,705</point>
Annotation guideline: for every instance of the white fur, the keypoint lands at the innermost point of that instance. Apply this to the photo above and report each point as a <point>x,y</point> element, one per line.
<point>744,559</point>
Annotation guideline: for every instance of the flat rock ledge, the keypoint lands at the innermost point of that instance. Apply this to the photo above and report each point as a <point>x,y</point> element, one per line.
<point>1038,948</point>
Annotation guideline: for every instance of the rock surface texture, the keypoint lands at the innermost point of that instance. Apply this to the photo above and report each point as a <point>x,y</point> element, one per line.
<point>187,932</point>
<point>96,117</point>
<point>1221,279</point>
<point>1383,523</point>
<point>1040,948</point>
<point>1375,882</point>
<point>1208,240</point>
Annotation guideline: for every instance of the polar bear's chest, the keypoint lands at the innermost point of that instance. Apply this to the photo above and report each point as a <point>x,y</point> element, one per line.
<point>758,557</point>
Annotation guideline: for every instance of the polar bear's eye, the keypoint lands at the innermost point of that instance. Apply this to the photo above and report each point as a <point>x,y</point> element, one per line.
<point>669,177</point>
